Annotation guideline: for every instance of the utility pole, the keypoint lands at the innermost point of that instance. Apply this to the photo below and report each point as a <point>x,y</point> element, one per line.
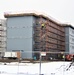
<point>42,35</point>
<point>41,54</point>
<point>40,64</point>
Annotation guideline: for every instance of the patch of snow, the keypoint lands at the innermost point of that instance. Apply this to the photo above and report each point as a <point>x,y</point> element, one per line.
<point>50,68</point>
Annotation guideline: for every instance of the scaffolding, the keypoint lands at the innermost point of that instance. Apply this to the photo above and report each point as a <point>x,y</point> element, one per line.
<point>2,36</point>
<point>47,37</point>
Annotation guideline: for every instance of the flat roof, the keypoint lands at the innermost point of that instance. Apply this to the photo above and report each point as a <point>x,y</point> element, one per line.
<point>7,15</point>
<point>68,25</point>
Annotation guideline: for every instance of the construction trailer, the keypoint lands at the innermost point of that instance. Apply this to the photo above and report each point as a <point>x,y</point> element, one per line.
<point>12,55</point>
<point>31,33</point>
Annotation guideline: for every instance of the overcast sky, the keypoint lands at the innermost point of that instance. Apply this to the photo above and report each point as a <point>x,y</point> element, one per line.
<point>61,10</point>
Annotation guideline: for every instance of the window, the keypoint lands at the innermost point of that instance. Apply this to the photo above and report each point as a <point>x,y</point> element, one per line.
<point>73,31</point>
<point>73,39</point>
<point>72,47</point>
<point>0,24</point>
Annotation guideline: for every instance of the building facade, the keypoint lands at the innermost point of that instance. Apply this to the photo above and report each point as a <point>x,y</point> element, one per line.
<point>69,39</point>
<point>25,34</point>
<point>49,39</point>
<point>2,36</point>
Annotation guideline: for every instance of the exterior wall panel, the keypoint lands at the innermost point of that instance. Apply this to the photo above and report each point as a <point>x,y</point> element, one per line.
<point>69,39</point>
<point>19,35</point>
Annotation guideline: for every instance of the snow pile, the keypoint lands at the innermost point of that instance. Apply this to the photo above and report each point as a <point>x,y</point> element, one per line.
<point>50,68</point>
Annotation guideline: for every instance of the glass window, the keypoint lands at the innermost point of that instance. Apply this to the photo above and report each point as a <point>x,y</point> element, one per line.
<point>72,39</point>
<point>73,31</point>
<point>72,47</point>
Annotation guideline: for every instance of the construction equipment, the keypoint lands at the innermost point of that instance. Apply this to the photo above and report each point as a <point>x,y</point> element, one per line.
<point>69,57</point>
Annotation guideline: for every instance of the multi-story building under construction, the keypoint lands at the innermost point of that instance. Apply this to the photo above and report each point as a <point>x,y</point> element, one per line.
<point>2,36</point>
<point>31,32</point>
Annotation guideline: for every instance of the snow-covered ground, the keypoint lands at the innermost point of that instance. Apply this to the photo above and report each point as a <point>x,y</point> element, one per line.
<point>49,68</point>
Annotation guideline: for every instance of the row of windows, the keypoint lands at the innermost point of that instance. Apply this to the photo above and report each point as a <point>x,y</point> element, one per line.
<point>55,31</point>
<point>50,23</point>
<point>61,38</point>
<point>57,39</point>
<point>2,43</point>
<point>71,39</point>
<point>73,31</point>
<point>51,34</point>
<point>2,49</point>
<point>56,26</point>
<point>56,36</point>
<point>50,45</point>
<point>72,47</point>
<point>52,40</point>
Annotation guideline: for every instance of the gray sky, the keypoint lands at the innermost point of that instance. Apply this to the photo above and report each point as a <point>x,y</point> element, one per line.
<point>61,10</point>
